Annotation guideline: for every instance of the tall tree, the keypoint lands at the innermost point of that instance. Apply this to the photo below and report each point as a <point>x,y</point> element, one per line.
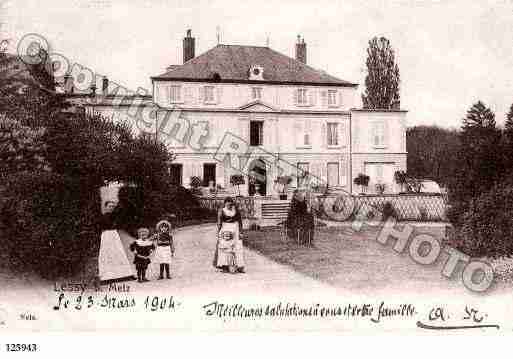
<point>382,80</point>
<point>480,163</point>
<point>508,139</point>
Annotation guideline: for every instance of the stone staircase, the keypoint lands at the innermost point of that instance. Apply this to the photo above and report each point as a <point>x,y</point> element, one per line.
<point>273,212</point>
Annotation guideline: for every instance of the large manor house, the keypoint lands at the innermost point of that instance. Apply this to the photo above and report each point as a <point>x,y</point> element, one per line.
<point>290,110</point>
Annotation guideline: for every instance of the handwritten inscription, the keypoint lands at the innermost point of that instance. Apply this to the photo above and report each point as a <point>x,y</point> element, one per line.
<point>282,310</point>
<point>469,318</point>
<point>115,302</point>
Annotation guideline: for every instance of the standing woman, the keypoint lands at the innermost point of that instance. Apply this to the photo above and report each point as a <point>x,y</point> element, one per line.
<point>229,220</point>
<point>296,215</point>
<point>113,262</point>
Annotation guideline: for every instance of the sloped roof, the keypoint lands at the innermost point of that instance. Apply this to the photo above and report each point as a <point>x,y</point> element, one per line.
<point>232,64</point>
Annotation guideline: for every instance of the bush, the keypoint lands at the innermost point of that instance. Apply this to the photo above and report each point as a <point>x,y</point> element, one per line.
<point>388,211</point>
<point>140,207</point>
<point>50,227</point>
<point>487,225</point>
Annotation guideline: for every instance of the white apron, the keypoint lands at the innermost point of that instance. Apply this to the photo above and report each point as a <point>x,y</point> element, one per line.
<point>113,261</point>
<point>163,254</point>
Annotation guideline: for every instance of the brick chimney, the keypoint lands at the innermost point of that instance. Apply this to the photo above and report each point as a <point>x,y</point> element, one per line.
<point>188,47</point>
<point>301,50</point>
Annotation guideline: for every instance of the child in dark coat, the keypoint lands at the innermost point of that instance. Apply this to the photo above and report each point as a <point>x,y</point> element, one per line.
<point>142,248</point>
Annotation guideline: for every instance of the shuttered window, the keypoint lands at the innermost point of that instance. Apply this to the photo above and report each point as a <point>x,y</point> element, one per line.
<point>332,98</point>
<point>333,174</point>
<point>302,97</point>
<point>209,94</point>
<point>333,137</point>
<point>174,94</point>
<point>378,134</point>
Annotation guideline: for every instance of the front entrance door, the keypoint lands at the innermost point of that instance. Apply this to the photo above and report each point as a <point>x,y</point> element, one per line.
<point>257,181</point>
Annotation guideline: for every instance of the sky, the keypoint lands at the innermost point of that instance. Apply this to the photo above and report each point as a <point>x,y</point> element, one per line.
<point>450,53</point>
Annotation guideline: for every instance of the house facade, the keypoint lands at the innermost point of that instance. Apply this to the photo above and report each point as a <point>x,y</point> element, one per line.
<point>261,114</point>
<point>267,115</point>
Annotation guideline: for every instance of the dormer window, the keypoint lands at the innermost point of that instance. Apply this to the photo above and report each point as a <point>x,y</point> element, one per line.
<point>256,72</point>
<point>256,93</point>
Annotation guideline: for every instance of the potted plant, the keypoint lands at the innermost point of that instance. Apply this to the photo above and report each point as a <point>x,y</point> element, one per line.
<point>380,188</point>
<point>362,180</point>
<point>237,180</point>
<point>415,185</point>
<point>284,181</point>
<point>401,179</point>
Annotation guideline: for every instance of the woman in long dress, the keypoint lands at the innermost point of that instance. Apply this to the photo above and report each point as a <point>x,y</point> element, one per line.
<point>229,244</point>
<point>113,262</point>
<point>300,220</point>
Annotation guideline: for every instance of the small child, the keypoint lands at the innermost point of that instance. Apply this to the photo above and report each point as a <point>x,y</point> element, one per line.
<point>142,247</point>
<point>165,247</point>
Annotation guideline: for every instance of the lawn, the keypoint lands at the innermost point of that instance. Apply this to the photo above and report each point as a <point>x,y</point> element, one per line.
<point>352,260</point>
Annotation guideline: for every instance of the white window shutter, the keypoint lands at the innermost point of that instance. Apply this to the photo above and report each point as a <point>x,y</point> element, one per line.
<point>374,133</point>
<point>342,134</point>
<point>220,175</point>
<point>386,133</point>
<point>168,94</point>
<point>189,95</point>
<point>201,94</point>
<point>219,94</point>
<point>340,99</point>
<point>312,97</point>
<point>324,135</point>
<point>324,98</point>
<point>324,173</point>
<point>355,140</point>
<point>244,130</point>
<point>343,171</point>
<point>298,133</point>
<point>295,94</point>
<point>212,129</point>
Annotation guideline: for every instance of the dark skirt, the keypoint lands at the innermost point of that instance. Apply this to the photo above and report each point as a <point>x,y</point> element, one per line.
<point>141,262</point>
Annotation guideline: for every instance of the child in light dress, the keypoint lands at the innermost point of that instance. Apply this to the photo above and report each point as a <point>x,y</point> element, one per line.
<point>165,248</point>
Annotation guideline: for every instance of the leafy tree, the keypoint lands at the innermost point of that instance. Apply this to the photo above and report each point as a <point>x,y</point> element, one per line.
<point>432,153</point>
<point>21,148</point>
<point>480,163</point>
<point>508,138</point>
<point>382,80</point>
<point>27,92</point>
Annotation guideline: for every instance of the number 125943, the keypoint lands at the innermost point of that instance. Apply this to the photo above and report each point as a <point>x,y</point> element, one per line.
<point>21,347</point>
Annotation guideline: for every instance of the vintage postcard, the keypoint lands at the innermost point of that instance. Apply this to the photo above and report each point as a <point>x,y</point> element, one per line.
<point>290,166</point>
